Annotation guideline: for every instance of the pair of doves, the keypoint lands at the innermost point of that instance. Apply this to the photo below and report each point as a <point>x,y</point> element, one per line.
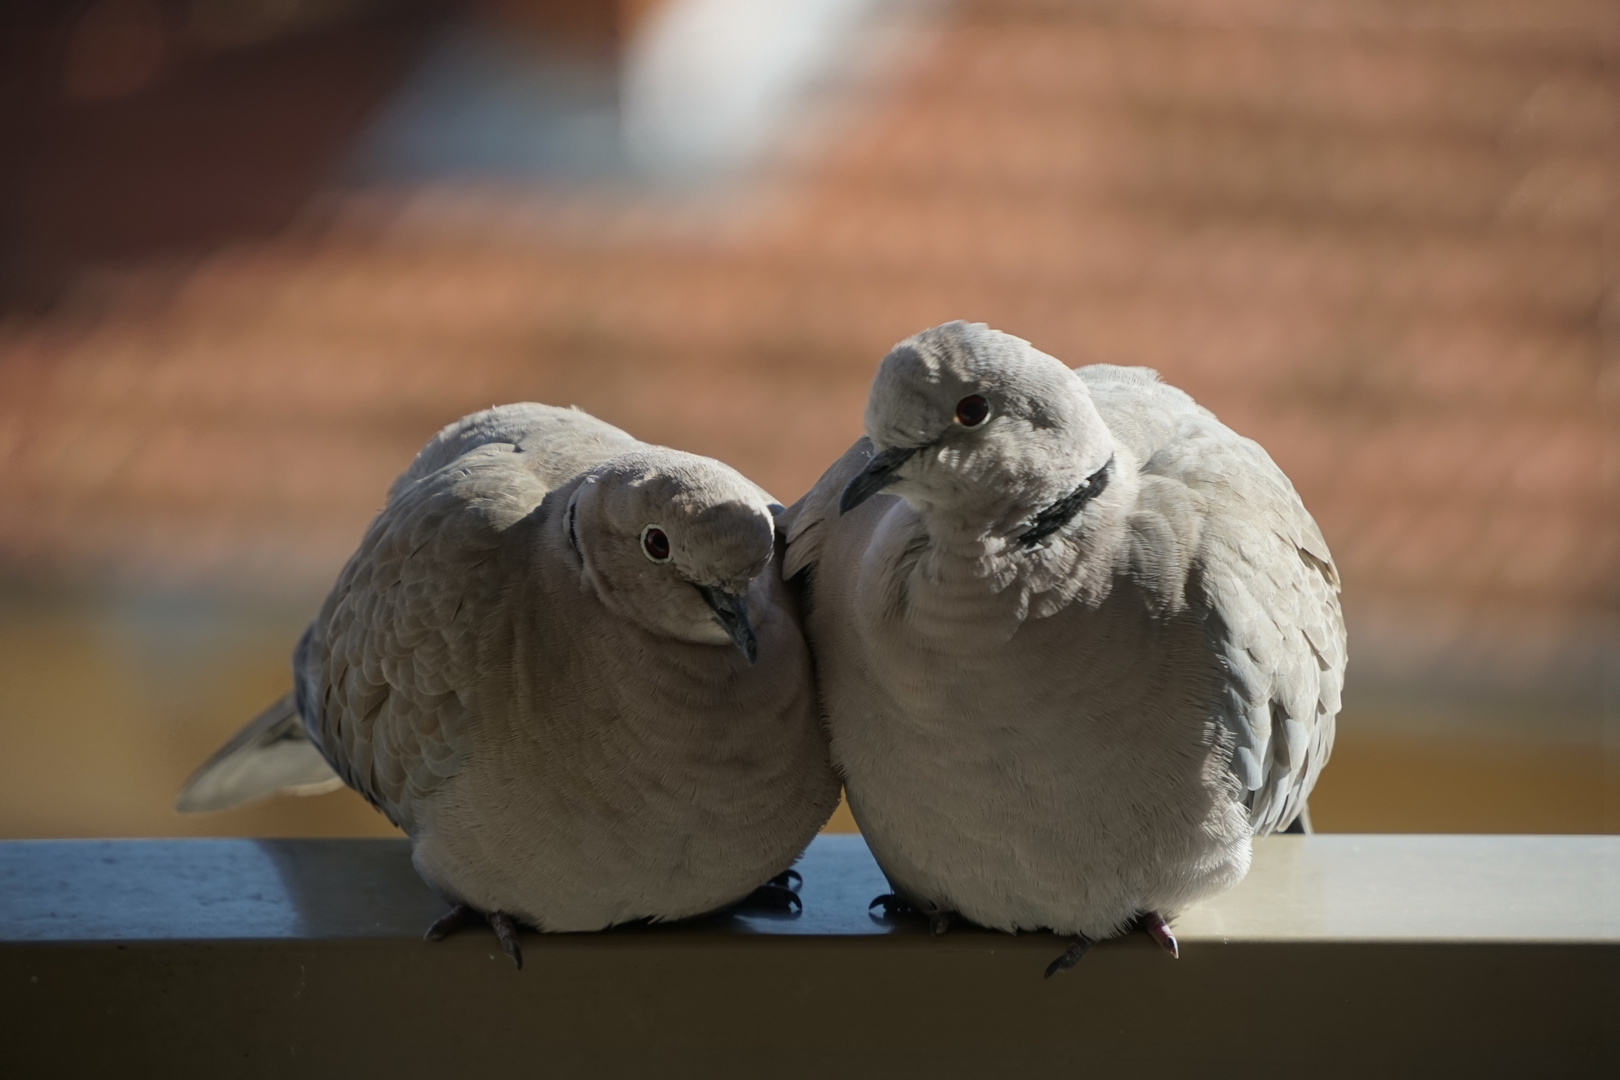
<point>1075,644</point>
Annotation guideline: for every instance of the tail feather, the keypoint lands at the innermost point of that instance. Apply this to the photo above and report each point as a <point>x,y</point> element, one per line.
<point>271,755</point>
<point>1301,825</point>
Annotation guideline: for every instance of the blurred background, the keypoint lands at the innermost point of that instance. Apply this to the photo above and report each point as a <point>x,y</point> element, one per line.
<point>254,252</point>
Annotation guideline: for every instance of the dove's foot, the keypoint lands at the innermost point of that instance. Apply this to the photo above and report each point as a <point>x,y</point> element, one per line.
<point>461,916</point>
<point>457,918</point>
<point>788,879</point>
<point>1071,956</point>
<point>1159,931</point>
<point>773,897</point>
<point>892,904</point>
<point>505,928</point>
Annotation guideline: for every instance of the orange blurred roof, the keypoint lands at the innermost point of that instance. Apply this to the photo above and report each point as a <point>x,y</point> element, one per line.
<point>1378,237</point>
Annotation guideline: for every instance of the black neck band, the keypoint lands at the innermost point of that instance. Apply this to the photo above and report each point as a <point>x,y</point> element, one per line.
<point>1062,512</point>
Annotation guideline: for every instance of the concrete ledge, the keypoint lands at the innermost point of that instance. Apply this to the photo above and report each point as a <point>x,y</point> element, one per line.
<point>1339,956</point>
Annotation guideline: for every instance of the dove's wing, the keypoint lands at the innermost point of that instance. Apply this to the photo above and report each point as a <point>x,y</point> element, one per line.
<point>389,673</point>
<point>806,522</point>
<point>1219,527</point>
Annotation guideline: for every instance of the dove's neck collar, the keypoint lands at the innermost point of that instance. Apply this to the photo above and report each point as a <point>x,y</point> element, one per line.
<point>573,529</point>
<point>1054,528</point>
<point>1054,517</point>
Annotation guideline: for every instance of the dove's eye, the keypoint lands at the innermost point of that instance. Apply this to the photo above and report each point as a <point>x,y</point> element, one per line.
<point>655,543</point>
<point>972,411</point>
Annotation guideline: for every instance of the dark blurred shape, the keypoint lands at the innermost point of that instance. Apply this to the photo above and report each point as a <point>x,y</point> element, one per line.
<point>593,29</point>
<point>114,48</point>
<point>143,127</point>
<point>139,128</point>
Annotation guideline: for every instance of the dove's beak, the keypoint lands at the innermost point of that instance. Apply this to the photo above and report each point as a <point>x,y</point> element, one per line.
<point>878,474</point>
<point>731,612</point>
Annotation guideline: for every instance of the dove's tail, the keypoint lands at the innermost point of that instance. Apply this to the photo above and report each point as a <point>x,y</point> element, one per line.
<point>270,756</point>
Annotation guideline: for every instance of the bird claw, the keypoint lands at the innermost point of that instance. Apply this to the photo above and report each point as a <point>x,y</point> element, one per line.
<point>1159,931</point>
<point>891,904</point>
<point>774,897</point>
<point>457,918</point>
<point>461,916</point>
<point>788,879</point>
<point>1071,956</point>
<point>505,928</point>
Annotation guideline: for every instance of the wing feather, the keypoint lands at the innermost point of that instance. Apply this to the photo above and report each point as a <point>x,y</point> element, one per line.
<point>389,672</point>
<point>805,522</point>
<point>1248,556</point>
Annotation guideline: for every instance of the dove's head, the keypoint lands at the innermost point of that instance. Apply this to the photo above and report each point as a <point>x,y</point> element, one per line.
<point>671,541</point>
<point>970,422</point>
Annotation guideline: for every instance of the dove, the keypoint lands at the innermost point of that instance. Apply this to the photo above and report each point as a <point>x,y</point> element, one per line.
<point>1077,642</point>
<point>563,662</point>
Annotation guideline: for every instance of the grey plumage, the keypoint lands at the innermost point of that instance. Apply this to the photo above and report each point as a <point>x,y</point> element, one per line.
<point>1075,654</point>
<point>554,713</point>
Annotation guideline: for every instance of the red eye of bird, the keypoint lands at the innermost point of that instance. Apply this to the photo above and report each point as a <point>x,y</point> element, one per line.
<point>655,544</point>
<point>972,411</point>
